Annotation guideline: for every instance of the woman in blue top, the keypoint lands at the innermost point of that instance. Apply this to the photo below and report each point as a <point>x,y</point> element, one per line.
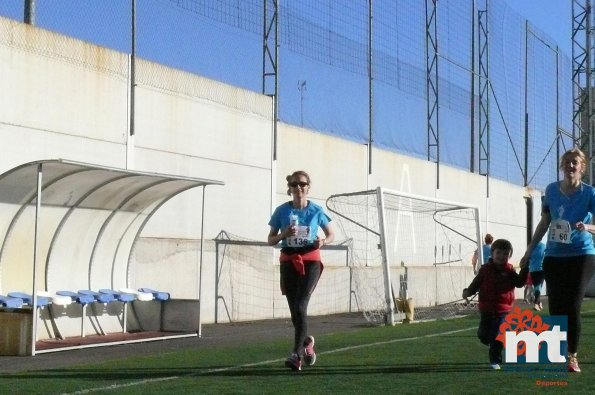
<point>567,211</point>
<point>295,224</point>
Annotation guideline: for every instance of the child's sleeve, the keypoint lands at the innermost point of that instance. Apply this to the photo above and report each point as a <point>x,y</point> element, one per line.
<point>476,283</point>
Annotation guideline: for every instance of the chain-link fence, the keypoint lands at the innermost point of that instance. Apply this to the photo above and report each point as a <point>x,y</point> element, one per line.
<point>330,81</point>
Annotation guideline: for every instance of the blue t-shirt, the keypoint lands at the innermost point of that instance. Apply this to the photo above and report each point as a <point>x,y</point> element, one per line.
<point>536,258</point>
<point>487,252</point>
<point>577,207</point>
<point>310,219</point>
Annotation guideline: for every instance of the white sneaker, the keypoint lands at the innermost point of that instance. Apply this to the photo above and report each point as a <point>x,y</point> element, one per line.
<point>309,354</point>
<point>495,366</point>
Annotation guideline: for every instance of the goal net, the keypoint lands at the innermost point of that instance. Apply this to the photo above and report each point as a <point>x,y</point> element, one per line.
<point>247,287</point>
<point>407,250</point>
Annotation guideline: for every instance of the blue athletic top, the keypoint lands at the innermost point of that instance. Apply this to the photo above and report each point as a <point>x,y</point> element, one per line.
<point>577,207</point>
<point>309,219</point>
<point>536,258</point>
<point>487,252</point>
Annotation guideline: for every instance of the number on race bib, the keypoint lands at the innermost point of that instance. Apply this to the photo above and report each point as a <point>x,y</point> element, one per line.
<point>560,231</point>
<point>300,239</point>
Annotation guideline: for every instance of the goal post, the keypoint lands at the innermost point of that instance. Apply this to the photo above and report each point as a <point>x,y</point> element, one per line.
<point>425,243</point>
<point>388,291</point>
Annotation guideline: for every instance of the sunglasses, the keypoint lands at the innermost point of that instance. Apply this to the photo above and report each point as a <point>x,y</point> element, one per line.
<point>301,184</point>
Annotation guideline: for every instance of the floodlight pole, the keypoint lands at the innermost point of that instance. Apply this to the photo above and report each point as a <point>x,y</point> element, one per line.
<point>270,62</point>
<point>432,82</point>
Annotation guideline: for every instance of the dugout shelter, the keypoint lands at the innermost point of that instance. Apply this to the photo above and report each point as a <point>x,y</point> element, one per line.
<point>73,226</point>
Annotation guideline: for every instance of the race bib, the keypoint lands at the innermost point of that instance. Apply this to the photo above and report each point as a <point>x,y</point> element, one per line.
<point>560,231</point>
<point>300,239</point>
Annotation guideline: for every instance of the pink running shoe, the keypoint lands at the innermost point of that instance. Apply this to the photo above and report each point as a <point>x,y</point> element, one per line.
<point>309,354</point>
<point>573,364</point>
<point>294,362</point>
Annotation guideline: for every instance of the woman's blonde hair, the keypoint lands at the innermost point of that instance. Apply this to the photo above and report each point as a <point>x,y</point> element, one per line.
<point>294,175</point>
<point>574,152</point>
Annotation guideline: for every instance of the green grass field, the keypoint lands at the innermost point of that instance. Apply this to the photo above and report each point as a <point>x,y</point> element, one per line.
<point>440,357</point>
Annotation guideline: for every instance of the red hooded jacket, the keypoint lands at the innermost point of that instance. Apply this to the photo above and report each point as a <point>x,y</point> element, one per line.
<point>496,284</point>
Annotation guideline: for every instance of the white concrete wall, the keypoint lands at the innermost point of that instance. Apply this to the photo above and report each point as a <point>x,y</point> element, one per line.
<point>64,98</point>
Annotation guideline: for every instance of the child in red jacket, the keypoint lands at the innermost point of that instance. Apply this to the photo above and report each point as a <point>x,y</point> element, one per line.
<point>495,282</point>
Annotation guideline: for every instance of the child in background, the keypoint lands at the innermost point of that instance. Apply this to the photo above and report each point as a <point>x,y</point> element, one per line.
<point>486,251</point>
<point>495,281</point>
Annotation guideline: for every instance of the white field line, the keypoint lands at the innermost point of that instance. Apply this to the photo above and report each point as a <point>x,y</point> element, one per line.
<point>271,361</point>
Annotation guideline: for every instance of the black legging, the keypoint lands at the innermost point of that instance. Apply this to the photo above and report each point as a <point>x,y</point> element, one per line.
<point>489,327</point>
<point>298,290</point>
<point>537,280</point>
<point>566,280</point>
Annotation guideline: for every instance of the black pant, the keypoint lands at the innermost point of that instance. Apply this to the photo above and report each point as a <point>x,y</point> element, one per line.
<point>298,290</point>
<point>537,280</point>
<point>567,279</point>
<point>489,327</point>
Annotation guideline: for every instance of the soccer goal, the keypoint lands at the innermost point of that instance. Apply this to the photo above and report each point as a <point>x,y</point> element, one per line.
<point>407,250</point>
<point>247,287</point>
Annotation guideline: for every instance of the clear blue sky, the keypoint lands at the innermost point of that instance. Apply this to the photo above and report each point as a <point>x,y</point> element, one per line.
<point>553,17</point>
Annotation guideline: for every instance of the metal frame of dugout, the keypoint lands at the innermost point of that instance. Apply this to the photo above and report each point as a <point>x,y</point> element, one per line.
<point>82,231</point>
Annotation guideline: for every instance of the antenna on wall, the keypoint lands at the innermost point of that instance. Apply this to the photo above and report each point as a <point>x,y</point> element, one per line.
<point>302,88</point>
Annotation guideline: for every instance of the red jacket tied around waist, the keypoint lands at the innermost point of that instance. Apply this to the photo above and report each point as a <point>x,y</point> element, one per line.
<point>297,260</point>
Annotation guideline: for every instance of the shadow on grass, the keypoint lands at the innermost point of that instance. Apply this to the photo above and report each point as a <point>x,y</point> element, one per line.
<point>226,371</point>
<point>359,369</point>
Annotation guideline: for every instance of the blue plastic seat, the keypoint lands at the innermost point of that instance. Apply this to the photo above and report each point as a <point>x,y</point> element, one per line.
<point>158,295</point>
<point>10,302</point>
<point>77,297</point>
<point>28,298</point>
<point>121,296</point>
<point>81,299</point>
<point>98,296</point>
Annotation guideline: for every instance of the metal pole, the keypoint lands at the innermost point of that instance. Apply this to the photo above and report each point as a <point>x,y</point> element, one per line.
<point>557,108</point>
<point>202,236</point>
<point>276,98</point>
<point>589,74</point>
<point>526,163</point>
<point>271,61</point>
<point>390,317</point>
<point>370,86</point>
<point>35,256</point>
<point>29,17</point>
<point>132,67</point>
<point>350,277</point>
<point>529,207</point>
<point>472,104</point>
<point>217,280</point>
